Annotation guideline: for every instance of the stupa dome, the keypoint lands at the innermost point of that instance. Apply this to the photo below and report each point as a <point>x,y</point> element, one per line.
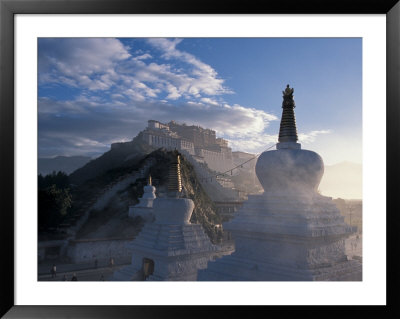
<point>149,191</point>
<point>176,211</point>
<point>289,167</point>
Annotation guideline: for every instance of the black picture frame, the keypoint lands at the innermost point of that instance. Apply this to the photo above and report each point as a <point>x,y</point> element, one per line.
<point>8,8</point>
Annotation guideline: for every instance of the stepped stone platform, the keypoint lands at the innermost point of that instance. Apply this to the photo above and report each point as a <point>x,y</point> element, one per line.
<point>177,251</point>
<point>170,248</point>
<point>300,240</point>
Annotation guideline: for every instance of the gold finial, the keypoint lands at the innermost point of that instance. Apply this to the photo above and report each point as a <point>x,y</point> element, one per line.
<point>149,181</point>
<point>288,91</point>
<point>174,177</point>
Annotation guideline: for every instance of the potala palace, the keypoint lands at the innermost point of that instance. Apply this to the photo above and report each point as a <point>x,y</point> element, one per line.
<point>202,144</point>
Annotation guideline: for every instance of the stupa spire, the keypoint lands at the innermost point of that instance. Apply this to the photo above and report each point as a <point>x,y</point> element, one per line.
<point>174,177</point>
<point>288,130</point>
<point>149,181</point>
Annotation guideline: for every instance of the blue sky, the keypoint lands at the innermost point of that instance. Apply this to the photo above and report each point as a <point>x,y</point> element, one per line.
<point>96,91</point>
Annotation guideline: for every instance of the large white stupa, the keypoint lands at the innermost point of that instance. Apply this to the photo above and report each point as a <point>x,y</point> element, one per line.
<point>170,248</point>
<point>290,232</point>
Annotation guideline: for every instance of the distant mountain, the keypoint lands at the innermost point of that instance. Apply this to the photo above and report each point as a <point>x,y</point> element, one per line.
<point>342,180</point>
<point>66,164</point>
<point>244,177</point>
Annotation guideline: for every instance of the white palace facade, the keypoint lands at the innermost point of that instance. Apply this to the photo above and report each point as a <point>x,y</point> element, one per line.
<point>202,144</point>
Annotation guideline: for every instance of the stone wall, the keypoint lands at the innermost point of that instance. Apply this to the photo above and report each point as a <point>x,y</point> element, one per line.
<point>87,250</point>
<point>51,249</point>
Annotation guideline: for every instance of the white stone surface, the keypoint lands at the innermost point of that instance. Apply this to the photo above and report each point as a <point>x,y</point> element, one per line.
<point>158,134</point>
<point>144,208</point>
<point>88,250</point>
<point>289,233</point>
<point>177,247</point>
<point>173,210</point>
<point>286,238</point>
<point>178,251</point>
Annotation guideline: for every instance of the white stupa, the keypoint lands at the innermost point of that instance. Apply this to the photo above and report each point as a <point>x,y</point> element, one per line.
<point>144,208</point>
<point>170,248</point>
<point>290,232</point>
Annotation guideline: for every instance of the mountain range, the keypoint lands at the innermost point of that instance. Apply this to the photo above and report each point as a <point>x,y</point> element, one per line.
<point>342,180</point>
<point>66,164</point>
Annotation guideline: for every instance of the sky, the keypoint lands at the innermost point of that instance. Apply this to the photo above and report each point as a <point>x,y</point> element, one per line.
<point>96,91</point>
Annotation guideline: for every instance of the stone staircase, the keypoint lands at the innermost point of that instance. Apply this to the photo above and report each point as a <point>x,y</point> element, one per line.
<point>212,186</point>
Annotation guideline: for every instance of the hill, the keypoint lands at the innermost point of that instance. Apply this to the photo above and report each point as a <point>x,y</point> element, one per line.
<point>342,180</point>
<point>113,220</point>
<point>120,155</point>
<point>66,164</point>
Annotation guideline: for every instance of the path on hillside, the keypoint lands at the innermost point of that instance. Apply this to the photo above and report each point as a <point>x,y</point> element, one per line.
<point>213,188</point>
<point>102,199</point>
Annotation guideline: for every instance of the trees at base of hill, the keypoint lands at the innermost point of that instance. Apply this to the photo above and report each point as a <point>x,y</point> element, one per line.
<point>54,200</point>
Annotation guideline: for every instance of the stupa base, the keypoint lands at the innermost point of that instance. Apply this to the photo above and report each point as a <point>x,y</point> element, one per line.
<point>230,268</point>
<point>168,252</point>
<point>286,237</point>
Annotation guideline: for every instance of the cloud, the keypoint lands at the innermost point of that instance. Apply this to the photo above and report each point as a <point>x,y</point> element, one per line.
<point>105,65</point>
<point>203,78</point>
<point>119,88</point>
<point>257,141</point>
<point>80,62</point>
<point>142,57</point>
<point>88,127</point>
<point>64,123</point>
<point>207,100</point>
<point>310,137</point>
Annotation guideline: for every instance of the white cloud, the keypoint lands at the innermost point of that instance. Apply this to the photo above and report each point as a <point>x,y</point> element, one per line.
<point>119,92</point>
<point>80,62</point>
<point>108,121</point>
<point>310,137</point>
<point>142,57</point>
<point>203,78</point>
<point>207,100</point>
<point>255,144</point>
<point>105,66</point>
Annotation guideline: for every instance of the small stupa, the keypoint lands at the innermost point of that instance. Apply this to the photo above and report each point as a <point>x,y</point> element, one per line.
<point>144,208</point>
<point>171,247</point>
<point>290,232</point>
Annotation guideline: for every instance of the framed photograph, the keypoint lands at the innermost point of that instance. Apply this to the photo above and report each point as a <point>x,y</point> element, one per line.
<point>121,119</point>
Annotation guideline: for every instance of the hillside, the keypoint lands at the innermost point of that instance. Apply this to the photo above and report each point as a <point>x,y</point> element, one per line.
<point>120,155</point>
<point>113,220</point>
<point>66,164</point>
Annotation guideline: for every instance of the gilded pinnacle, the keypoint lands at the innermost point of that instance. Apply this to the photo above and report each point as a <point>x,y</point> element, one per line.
<point>174,177</point>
